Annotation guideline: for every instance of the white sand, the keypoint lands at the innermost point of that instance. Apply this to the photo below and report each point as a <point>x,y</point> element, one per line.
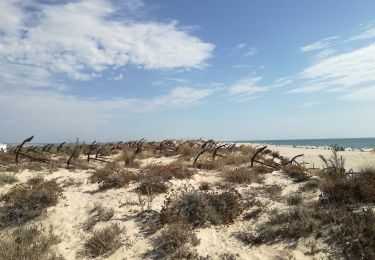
<point>353,159</point>
<point>71,212</point>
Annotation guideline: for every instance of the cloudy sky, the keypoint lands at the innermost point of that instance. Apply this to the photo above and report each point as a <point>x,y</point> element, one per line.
<point>228,70</point>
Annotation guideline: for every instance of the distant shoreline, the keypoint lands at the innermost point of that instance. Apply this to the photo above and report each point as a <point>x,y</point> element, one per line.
<point>366,144</point>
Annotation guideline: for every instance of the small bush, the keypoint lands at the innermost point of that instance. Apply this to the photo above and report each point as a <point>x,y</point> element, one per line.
<point>254,214</point>
<point>357,188</point>
<point>111,176</point>
<point>6,178</point>
<point>234,159</point>
<point>98,213</point>
<point>334,166</point>
<point>128,157</point>
<point>187,151</point>
<point>273,191</point>
<point>263,169</point>
<point>152,185</point>
<point>294,199</point>
<point>21,203</point>
<point>199,208</point>
<point>29,243</point>
<point>35,180</point>
<point>205,186</point>
<point>311,185</point>
<point>104,241</point>
<point>174,242</point>
<point>242,175</point>
<point>170,171</point>
<point>33,166</point>
<point>356,234</point>
<point>292,224</point>
<point>6,158</point>
<point>296,172</point>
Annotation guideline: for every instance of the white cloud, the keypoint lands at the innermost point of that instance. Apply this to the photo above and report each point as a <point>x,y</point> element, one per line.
<point>250,88</point>
<point>80,38</point>
<point>311,104</point>
<point>368,34</point>
<point>250,52</point>
<point>62,116</point>
<point>319,45</point>
<point>363,94</point>
<point>341,71</point>
<point>324,54</point>
<point>247,86</point>
<point>11,16</point>
<point>244,50</point>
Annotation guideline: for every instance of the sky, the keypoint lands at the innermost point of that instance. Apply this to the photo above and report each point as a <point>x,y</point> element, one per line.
<point>111,70</point>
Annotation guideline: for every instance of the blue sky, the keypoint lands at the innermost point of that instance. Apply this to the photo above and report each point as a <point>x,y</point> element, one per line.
<point>120,70</point>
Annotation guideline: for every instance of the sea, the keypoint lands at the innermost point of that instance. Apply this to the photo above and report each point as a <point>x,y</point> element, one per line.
<point>354,143</point>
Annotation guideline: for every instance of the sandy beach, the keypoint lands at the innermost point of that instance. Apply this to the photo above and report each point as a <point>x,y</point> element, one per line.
<point>270,192</point>
<point>353,159</point>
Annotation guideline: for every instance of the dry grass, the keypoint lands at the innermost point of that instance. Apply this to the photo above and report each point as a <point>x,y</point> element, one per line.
<point>22,203</point>
<point>111,176</point>
<point>253,214</point>
<point>188,152</point>
<point>35,180</point>
<point>6,158</point>
<point>292,224</point>
<point>350,189</point>
<point>6,178</point>
<point>152,185</point>
<point>273,191</point>
<point>170,171</point>
<point>29,243</point>
<point>33,166</point>
<point>242,176</point>
<point>296,172</point>
<point>263,169</point>
<point>128,157</point>
<point>356,234</point>
<point>175,242</point>
<point>205,186</point>
<point>311,185</point>
<point>97,214</point>
<point>105,241</point>
<point>201,208</point>
<point>294,199</point>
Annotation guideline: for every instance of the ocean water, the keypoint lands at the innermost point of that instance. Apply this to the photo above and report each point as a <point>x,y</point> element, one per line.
<point>357,143</point>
